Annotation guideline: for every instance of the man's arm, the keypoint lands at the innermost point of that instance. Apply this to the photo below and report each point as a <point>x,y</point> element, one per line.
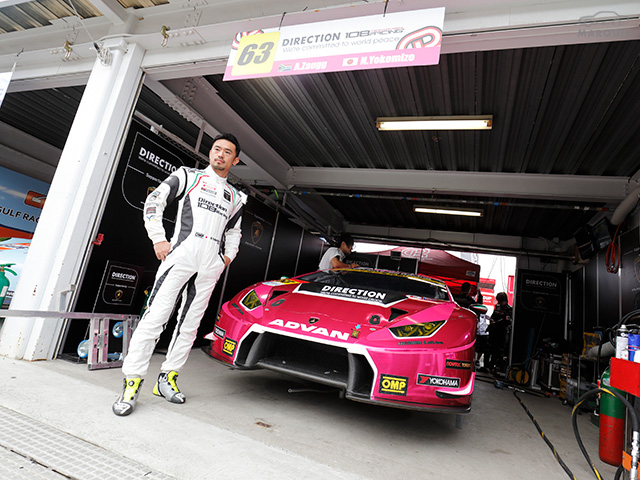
<point>154,207</point>
<point>233,232</point>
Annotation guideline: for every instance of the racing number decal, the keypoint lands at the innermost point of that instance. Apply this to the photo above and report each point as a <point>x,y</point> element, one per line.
<point>256,54</point>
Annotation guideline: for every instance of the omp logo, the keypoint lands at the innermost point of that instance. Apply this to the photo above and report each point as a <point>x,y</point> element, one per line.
<point>229,346</point>
<point>435,381</point>
<point>393,385</point>
<point>35,199</point>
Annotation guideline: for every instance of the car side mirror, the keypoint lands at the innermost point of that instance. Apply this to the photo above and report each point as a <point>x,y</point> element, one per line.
<point>478,308</point>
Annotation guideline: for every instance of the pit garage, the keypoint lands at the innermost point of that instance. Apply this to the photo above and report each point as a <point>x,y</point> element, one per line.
<point>102,99</point>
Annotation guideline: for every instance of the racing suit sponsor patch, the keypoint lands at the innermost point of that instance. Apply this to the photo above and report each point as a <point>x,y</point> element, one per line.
<point>227,196</point>
<point>229,346</point>
<point>393,385</point>
<point>219,332</point>
<point>457,364</point>
<point>435,381</point>
<point>212,207</point>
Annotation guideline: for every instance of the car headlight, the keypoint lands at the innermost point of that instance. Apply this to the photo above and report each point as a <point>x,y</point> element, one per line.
<point>426,329</point>
<point>251,301</point>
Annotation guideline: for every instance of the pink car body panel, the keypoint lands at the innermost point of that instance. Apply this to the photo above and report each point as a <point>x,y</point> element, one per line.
<point>379,347</point>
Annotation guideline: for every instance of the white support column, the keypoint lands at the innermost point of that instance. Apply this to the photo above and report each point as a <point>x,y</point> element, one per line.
<point>63,237</point>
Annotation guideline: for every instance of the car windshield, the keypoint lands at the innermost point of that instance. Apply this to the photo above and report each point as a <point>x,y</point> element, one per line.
<point>404,284</point>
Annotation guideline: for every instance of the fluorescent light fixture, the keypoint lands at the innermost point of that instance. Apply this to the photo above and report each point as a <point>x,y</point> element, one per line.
<point>456,122</point>
<point>447,211</point>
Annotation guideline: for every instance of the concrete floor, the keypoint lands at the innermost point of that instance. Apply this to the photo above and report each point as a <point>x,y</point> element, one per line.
<point>245,425</point>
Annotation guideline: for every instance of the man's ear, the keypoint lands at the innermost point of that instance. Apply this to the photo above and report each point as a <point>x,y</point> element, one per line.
<point>235,162</point>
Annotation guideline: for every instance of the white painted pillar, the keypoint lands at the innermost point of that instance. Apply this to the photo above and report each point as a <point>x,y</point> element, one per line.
<point>63,237</point>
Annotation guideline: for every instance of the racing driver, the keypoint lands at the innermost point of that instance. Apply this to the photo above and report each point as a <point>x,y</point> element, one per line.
<point>205,241</point>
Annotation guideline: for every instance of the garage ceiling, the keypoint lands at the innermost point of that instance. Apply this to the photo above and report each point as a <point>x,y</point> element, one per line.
<point>563,150</point>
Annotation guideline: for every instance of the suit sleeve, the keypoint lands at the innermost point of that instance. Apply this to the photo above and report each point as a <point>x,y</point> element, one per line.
<point>233,231</point>
<point>157,201</point>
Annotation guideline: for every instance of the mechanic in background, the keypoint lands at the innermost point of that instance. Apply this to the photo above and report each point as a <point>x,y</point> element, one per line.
<point>499,330</point>
<point>205,241</point>
<point>334,256</point>
<point>464,299</point>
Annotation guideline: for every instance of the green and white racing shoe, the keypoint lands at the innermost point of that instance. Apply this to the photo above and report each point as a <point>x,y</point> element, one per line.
<point>167,387</point>
<point>126,402</point>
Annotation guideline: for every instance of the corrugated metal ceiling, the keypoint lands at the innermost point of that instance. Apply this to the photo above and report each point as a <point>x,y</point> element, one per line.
<point>40,13</point>
<point>562,110</point>
<point>568,110</point>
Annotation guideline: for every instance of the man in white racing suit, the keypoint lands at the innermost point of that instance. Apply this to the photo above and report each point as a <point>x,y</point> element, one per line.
<point>206,240</point>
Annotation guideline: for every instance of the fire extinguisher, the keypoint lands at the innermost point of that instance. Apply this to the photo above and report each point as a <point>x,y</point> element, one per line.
<point>612,415</point>
<point>4,281</point>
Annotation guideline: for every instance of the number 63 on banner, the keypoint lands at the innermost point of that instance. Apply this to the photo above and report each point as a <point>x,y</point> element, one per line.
<point>255,54</point>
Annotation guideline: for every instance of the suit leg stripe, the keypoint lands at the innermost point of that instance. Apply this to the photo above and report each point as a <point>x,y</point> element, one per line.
<point>191,293</point>
<point>158,285</point>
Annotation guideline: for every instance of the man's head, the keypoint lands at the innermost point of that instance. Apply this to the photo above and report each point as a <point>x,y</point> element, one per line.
<point>224,153</point>
<point>502,297</point>
<point>345,243</point>
<point>465,288</point>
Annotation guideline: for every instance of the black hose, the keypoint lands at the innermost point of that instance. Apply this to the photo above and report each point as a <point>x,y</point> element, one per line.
<point>574,420</point>
<point>553,449</point>
<point>618,472</point>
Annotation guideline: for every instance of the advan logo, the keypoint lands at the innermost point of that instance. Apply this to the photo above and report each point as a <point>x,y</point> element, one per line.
<point>311,329</point>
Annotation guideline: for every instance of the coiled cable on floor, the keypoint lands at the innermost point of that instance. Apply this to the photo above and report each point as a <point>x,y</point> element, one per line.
<point>544,437</point>
<point>635,440</point>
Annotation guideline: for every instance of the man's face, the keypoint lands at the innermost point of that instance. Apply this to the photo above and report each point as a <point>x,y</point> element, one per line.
<point>223,156</point>
<point>346,249</point>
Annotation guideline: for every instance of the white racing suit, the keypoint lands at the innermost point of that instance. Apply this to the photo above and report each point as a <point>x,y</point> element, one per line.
<point>207,227</point>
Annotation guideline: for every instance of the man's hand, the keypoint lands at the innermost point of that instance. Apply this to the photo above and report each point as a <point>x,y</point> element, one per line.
<point>162,250</point>
<point>227,261</point>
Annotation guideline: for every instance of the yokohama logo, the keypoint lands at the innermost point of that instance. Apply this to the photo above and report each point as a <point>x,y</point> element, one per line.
<point>434,381</point>
<point>425,37</point>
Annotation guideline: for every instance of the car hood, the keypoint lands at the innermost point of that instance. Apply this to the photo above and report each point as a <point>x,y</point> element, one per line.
<point>357,315</point>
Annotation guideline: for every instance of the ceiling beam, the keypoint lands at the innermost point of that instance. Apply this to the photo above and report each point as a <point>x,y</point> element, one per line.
<point>583,188</point>
<point>468,26</point>
<point>260,160</point>
<point>481,243</point>
<point>112,10</point>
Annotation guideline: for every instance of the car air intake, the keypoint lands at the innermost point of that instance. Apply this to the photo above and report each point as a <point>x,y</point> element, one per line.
<point>314,361</point>
<point>277,293</point>
<point>395,313</point>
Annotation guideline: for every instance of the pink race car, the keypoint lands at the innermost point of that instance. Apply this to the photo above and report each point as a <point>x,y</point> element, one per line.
<point>381,337</point>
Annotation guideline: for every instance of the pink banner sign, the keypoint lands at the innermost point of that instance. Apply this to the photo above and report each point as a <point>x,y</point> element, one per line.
<point>395,40</point>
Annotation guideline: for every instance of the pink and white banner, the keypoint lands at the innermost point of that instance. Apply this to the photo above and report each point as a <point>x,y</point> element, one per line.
<point>400,39</point>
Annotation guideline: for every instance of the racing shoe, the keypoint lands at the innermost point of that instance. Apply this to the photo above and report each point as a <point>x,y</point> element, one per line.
<point>126,402</point>
<point>167,387</point>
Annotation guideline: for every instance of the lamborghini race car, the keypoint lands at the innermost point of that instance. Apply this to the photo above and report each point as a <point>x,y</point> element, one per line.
<point>381,337</point>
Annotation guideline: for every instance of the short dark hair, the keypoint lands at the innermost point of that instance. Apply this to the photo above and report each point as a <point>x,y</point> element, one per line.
<point>502,296</point>
<point>230,138</point>
<point>465,287</point>
<point>346,238</point>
